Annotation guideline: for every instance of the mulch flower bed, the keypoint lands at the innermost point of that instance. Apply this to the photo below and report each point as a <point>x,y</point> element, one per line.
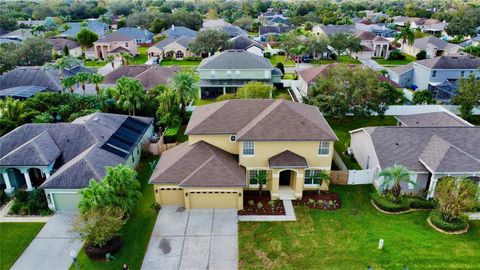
<point>324,200</point>
<point>254,204</point>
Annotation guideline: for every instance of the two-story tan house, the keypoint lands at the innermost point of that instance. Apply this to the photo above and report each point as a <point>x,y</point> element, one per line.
<point>231,142</point>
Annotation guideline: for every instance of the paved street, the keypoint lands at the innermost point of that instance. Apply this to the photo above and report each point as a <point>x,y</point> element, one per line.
<point>195,239</point>
<point>50,250</point>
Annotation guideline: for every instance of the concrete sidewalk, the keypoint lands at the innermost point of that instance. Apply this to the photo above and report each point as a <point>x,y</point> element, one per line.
<point>195,239</point>
<point>50,250</point>
<point>372,64</point>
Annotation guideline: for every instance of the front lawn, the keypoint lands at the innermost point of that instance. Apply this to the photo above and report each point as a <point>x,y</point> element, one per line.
<point>287,62</point>
<point>141,58</point>
<point>345,59</point>
<point>181,63</point>
<point>341,127</point>
<point>393,63</point>
<point>348,239</point>
<point>14,239</point>
<point>94,63</point>
<point>136,233</point>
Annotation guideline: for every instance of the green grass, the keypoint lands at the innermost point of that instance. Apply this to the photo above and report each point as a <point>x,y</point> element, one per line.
<point>200,102</point>
<point>181,63</point>
<point>274,59</point>
<point>345,59</point>
<point>348,239</point>
<point>14,239</point>
<point>289,76</point>
<point>392,63</point>
<point>141,58</point>
<point>94,63</point>
<point>136,233</point>
<point>341,127</point>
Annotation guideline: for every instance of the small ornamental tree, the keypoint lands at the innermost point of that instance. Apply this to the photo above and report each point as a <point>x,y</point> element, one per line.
<point>86,37</point>
<point>455,196</point>
<point>255,90</point>
<point>393,177</point>
<point>320,177</point>
<point>261,179</point>
<point>423,97</point>
<point>421,55</point>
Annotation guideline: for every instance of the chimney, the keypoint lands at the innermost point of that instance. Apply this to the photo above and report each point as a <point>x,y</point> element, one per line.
<point>173,27</point>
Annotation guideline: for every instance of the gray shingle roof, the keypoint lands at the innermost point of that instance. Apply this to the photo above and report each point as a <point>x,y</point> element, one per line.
<point>94,25</point>
<point>136,33</point>
<point>402,69</point>
<point>183,41</point>
<point>37,76</point>
<point>451,61</point>
<point>199,165</point>
<point>243,43</point>
<point>75,148</point>
<point>268,29</point>
<point>288,159</point>
<point>432,41</point>
<point>334,29</point>
<point>179,31</point>
<point>261,120</point>
<point>59,43</point>
<point>434,119</point>
<point>22,92</point>
<point>405,145</point>
<point>148,75</point>
<point>115,36</point>
<point>235,59</point>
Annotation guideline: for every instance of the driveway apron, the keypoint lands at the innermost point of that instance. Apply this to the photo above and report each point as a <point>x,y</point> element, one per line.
<point>195,239</point>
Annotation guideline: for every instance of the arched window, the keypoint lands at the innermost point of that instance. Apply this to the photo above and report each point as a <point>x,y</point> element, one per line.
<point>179,54</point>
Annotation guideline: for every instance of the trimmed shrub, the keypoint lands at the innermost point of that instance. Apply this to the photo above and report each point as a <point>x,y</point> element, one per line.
<point>281,53</point>
<point>170,134</point>
<point>396,55</point>
<point>267,54</point>
<point>387,205</point>
<point>437,219</point>
<point>420,203</point>
<point>30,203</point>
<point>421,55</point>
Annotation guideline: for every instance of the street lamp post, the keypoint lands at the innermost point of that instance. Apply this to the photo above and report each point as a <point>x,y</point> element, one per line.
<point>73,254</point>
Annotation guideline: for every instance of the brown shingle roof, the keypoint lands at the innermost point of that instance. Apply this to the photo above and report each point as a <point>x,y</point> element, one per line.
<point>115,36</point>
<point>287,159</point>
<point>199,165</point>
<point>267,120</point>
<point>148,75</point>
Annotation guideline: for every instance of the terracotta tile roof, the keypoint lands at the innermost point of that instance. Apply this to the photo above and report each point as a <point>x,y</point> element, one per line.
<point>287,159</point>
<point>269,120</point>
<point>199,165</point>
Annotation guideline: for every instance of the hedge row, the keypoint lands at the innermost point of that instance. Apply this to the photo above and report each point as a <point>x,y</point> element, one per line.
<point>389,206</point>
<point>437,219</point>
<point>419,203</point>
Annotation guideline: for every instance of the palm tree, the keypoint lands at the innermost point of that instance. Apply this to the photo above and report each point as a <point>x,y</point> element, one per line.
<point>69,82</point>
<point>126,57</point>
<point>319,177</point>
<point>11,108</point>
<point>185,84</point>
<point>393,177</point>
<point>406,35</point>
<point>298,52</point>
<point>64,62</point>
<point>96,79</point>
<point>82,78</point>
<point>111,59</point>
<point>130,94</point>
<point>125,186</point>
<point>96,195</point>
<point>261,179</point>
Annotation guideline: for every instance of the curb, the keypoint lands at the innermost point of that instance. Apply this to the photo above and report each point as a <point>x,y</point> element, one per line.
<point>445,232</point>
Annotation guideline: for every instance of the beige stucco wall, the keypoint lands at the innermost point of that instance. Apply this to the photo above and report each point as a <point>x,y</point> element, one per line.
<point>154,51</point>
<point>307,149</point>
<point>221,141</point>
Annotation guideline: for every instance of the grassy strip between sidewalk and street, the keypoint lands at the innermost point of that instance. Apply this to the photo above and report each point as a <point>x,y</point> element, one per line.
<point>14,239</point>
<point>348,239</point>
<point>136,233</point>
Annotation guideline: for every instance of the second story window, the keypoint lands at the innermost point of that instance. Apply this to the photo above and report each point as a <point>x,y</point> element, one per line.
<point>323,148</point>
<point>434,74</point>
<point>248,148</point>
<point>126,44</point>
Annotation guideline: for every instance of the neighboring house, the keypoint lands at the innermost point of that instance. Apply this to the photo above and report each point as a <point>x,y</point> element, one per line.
<point>373,46</point>
<point>176,48</point>
<point>429,26</point>
<point>377,29</point>
<point>6,40</point>
<point>272,18</point>
<point>114,44</point>
<point>433,119</point>
<point>225,72</point>
<point>148,75</point>
<point>24,82</point>
<point>141,36</point>
<point>309,76</point>
<point>438,74</point>
<point>19,35</point>
<point>96,26</point>
<point>430,152</point>
<point>233,31</point>
<point>179,31</point>
<point>62,158</point>
<point>231,142</point>
<point>247,44</point>
<point>474,41</point>
<point>330,30</point>
<point>74,49</point>
<point>30,23</point>
<point>215,23</point>
<point>265,31</point>
<point>432,45</point>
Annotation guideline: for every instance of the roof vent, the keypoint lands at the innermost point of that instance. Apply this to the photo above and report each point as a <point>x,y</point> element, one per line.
<point>396,144</point>
<point>95,119</point>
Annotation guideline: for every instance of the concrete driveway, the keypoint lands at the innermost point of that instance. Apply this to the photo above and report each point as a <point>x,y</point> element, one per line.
<point>50,250</point>
<point>195,239</point>
<point>372,64</point>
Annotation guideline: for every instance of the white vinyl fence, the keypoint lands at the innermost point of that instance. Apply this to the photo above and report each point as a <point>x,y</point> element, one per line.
<point>360,177</point>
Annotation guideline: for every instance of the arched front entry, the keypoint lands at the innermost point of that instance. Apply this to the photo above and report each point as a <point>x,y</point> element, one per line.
<point>286,177</point>
<point>36,176</point>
